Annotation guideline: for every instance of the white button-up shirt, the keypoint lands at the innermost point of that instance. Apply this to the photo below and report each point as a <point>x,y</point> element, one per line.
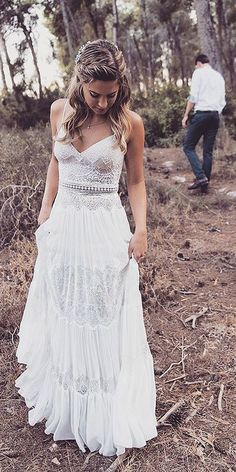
<point>207,89</point>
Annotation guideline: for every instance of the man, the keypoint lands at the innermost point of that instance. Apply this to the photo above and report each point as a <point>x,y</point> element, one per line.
<point>207,97</point>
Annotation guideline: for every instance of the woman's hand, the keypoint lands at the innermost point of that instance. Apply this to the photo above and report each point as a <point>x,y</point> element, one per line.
<point>44,214</point>
<point>138,245</point>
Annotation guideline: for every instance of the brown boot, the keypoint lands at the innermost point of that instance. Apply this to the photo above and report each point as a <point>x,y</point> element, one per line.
<point>198,183</point>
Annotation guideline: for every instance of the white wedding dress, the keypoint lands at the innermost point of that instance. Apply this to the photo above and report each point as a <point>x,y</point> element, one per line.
<point>82,337</point>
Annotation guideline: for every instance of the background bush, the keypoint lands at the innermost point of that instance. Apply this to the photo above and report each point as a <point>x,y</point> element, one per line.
<point>162,115</point>
<point>229,112</point>
<point>27,111</point>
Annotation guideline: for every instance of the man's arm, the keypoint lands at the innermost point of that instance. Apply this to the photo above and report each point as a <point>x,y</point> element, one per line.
<point>193,97</point>
<point>189,107</point>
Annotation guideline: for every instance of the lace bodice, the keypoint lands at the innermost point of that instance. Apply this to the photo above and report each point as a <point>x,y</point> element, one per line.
<point>99,165</point>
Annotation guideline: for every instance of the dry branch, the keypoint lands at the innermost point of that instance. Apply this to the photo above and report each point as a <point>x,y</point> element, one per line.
<point>176,378</point>
<point>183,356</point>
<point>187,292</point>
<point>172,365</point>
<point>90,454</point>
<point>211,400</point>
<point>16,209</point>
<point>219,403</point>
<point>194,318</point>
<point>173,409</point>
<point>117,462</point>
<point>191,415</point>
<point>202,440</point>
<point>219,420</point>
<point>11,454</point>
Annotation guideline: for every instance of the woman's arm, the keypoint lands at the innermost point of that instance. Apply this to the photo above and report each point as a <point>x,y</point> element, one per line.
<point>136,187</point>
<point>51,185</point>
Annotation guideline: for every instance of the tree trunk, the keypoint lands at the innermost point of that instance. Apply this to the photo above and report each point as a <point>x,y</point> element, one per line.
<point>92,18</point>
<point>143,77</point>
<point>2,73</point>
<point>115,26</point>
<point>67,28</point>
<point>9,64</point>
<point>220,18</point>
<point>74,24</point>
<point>230,62</point>
<point>177,47</point>
<point>31,46</point>
<point>224,35</point>
<point>148,44</point>
<point>207,33</point>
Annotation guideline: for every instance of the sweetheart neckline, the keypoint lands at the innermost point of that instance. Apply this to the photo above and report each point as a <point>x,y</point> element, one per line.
<point>92,145</point>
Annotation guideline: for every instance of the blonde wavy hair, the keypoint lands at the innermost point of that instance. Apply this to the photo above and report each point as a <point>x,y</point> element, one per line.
<point>99,60</point>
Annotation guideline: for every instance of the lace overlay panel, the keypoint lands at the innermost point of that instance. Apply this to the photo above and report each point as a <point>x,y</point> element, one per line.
<point>83,384</point>
<point>105,170</point>
<point>100,164</point>
<point>87,296</point>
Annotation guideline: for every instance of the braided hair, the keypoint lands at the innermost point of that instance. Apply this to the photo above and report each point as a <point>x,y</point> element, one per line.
<point>99,60</point>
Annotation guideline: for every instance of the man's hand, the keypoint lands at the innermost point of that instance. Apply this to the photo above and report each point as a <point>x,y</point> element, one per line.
<point>184,121</point>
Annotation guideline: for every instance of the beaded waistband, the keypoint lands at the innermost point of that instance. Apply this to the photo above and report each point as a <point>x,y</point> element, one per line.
<point>89,188</point>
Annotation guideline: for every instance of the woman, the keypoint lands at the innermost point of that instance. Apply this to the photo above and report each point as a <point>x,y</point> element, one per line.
<point>89,367</point>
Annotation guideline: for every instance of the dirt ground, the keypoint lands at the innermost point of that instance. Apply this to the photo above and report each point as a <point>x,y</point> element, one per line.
<point>187,282</point>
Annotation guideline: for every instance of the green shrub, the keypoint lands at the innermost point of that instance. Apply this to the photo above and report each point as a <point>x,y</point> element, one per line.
<point>162,115</point>
<point>229,113</point>
<point>26,111</point>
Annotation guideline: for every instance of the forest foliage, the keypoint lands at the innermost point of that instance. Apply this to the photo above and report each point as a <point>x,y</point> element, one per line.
<point>159,38</point>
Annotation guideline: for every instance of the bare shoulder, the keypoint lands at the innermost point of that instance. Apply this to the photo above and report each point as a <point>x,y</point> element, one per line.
<point>137,128</point>
<point>135,120</point>
<point>56,112</point>
<point>57,106</point>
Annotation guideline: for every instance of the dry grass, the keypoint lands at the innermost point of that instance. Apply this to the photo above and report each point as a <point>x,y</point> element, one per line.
<point>188,273</point>
<point>24,160</point>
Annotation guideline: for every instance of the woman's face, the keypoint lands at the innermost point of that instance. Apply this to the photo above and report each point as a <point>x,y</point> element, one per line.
<point>100,95</point>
